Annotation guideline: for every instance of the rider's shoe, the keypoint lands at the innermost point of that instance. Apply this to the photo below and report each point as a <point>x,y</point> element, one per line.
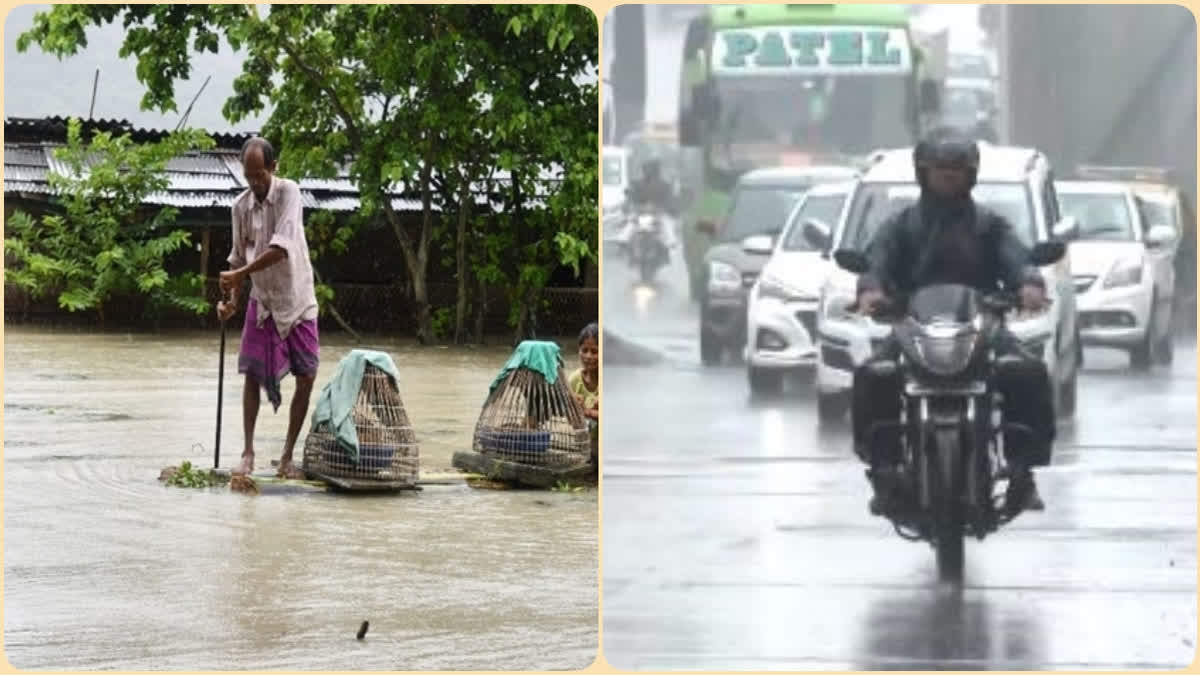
<point>885,480</point>
<point>1022,494</point>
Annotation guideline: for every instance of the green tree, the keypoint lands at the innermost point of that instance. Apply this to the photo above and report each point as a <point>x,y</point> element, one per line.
<point>99,240</point>
<point>398,93</point>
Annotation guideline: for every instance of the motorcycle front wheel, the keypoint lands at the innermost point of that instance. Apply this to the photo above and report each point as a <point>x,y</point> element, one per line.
<point>948,517</point>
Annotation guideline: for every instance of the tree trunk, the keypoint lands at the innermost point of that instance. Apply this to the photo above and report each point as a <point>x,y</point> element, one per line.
<point>424,314</point>
<point>205,245</point>
<point>464,210</point>
<point>337,316</point>
<point>481,312</point>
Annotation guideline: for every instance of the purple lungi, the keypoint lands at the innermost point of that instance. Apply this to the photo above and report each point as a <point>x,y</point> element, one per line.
<point>268,359</point>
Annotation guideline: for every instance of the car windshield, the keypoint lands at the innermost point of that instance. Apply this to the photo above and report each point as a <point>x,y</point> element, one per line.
<point>874,202</point>
<point>759,209</point>
<point>1101,216</point>
<point>614,170</point>
<point>822,208</point>
<point>1157,212</point>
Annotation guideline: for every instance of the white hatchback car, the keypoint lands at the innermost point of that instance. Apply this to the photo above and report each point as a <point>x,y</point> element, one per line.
<point>1124,271</point>
<point>781,317</point>
<point>1014,182</point>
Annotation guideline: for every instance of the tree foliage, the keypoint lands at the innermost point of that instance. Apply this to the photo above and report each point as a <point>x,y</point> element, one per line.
<point>101,241</point>
<point>430,99</point>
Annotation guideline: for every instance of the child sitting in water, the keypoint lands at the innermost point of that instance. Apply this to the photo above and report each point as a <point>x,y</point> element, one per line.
<point>585,382</point>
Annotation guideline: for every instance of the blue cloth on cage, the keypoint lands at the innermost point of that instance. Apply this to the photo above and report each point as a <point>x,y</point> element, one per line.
<point>338,397</point>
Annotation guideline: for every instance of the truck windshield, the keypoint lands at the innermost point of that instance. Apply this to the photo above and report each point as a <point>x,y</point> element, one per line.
<point>847,114</point>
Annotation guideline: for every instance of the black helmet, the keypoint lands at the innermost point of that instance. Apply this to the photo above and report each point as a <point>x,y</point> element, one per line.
<point>946,147</point>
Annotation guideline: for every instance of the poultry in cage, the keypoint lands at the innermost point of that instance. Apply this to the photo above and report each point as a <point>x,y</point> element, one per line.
<point>360,429</point>
<point>530,416</point>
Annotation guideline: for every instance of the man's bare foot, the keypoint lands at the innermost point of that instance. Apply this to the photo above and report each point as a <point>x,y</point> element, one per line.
<point>290,471</point>
<point>246,467</point>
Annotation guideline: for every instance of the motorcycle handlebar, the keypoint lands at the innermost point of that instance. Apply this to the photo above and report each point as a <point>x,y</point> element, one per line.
<point>890,310</point>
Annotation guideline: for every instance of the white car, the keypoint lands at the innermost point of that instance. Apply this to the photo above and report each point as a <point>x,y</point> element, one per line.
<point>1124,271</point>
<point>1014,182</point>
<point>782,309</point>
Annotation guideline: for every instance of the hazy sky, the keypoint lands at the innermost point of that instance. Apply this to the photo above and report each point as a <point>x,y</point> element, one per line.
<point>37,84</point>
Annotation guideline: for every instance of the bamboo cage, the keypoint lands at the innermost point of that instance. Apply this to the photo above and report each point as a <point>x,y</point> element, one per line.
<point>387,444</point>
<point>528,420</point>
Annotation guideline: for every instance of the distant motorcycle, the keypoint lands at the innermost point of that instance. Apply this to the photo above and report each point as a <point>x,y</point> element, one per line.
<point>952,427</point>
<point>648,250</point>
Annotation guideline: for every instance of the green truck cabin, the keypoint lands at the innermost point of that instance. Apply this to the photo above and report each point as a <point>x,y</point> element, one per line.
<point>779,85</point>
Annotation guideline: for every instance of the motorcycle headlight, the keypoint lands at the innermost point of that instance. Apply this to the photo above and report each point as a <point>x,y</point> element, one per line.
<point>944,352</point>
<point>1126,272</point>
<point>723,274</point>
<point>646,220</point>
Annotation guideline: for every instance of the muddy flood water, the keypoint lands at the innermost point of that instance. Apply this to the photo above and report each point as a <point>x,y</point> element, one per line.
<point>105,568</point>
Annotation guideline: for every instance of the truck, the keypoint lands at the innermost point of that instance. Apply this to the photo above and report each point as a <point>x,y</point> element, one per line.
<point>780,85</point>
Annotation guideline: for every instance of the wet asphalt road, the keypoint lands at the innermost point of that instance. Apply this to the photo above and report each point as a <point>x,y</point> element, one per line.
<point>736,534</point>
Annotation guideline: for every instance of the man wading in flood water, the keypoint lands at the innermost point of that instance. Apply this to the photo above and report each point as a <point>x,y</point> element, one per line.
<point>280,333</point>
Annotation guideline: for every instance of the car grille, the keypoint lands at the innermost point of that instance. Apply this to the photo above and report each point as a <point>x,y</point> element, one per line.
<point>1083,282</point>
<point>1107,319</point>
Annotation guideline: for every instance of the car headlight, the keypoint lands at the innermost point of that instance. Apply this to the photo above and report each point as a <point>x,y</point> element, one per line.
<point>835,306</point>
<point>723,274</point>
<point>1124,273</point>
<point>771,288</point>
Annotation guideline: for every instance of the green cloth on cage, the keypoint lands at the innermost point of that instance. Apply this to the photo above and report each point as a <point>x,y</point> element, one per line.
<point>540,357</point>
<point>337,399</point>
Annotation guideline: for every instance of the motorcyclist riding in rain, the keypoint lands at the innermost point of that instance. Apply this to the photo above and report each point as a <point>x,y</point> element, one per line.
<point>651,193</point>
<point>947,238</point>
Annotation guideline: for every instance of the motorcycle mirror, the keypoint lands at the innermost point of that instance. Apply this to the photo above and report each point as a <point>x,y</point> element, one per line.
<point>1048,252</point>
<point>1066,229</point>
<point>851,261</point>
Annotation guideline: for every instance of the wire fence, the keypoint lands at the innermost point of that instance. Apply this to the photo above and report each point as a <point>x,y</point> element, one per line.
<point>365,307</point>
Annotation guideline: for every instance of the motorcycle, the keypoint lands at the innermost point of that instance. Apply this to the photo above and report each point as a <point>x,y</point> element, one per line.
<point>647,250</point>
<point>953,469</point>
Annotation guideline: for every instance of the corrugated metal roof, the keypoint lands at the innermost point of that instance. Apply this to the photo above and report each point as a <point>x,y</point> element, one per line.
<point>25,186</point>
<point>55,128</point>
<point>214,179</point>
<point>202,181</point>
<point>213,163</point>
<point>24,155</point>
<point>234,166</point>
<point>34,173</point>
<point>192,200</point>
<point>346,203</point>
<point>330,184</point>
